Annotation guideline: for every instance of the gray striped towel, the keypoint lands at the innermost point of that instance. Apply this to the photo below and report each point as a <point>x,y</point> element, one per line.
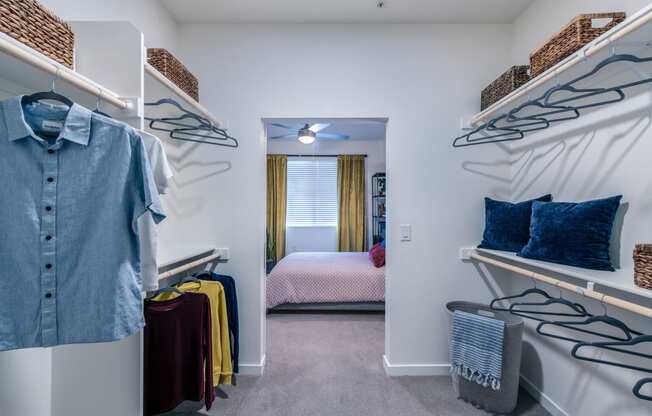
<point>477,348</point>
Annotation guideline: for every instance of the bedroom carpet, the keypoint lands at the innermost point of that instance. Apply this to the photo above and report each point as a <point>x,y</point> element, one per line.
<point>331,365</point>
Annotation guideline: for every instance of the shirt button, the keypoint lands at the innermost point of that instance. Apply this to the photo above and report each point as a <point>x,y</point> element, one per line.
<point>51,151</point>
<point>48,208</point>
<point>48,237</point>
<point>48,295</point>
<point>48,266</point>
<point>50,179</point>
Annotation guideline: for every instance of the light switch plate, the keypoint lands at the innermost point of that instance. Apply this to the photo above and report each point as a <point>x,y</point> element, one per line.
<point>406,232</point>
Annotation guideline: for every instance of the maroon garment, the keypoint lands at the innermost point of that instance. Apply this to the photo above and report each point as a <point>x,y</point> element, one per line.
<point>178,360</point>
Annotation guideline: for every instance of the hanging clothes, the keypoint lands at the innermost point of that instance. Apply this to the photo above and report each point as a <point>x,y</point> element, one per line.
<point>178,358</point>
<point>147,229</point>
<point>221,350</point>
<point>228,283</point>
<point>72,186</point>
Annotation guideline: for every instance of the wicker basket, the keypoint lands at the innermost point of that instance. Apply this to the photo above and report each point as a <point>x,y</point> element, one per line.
<point>31,23</point>
<point>643,265</point>
<point>513,78</point>
<point>174,70</point>
<point>570,39</point>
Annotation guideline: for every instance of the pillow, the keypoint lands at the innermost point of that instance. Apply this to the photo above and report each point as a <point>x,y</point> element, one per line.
<point>377,255</point>
<point>507,225</point>
<point>575,234</point>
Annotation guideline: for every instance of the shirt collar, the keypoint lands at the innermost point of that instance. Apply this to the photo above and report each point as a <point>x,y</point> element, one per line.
<point>76,128</point>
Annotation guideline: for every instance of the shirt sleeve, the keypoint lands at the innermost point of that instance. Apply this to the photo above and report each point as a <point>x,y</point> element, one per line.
<point>158,160</point>
<point>146,197</point>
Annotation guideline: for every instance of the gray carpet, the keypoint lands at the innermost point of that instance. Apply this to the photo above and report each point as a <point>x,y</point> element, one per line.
<point>331,365</point>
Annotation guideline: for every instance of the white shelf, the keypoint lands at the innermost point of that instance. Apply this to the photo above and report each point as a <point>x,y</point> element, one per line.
<point>622,279</point>
<point>25,67</point>
<point>170,87</point>
<point>637,29</point>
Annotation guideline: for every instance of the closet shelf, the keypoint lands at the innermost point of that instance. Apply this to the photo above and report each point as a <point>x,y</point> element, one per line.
<point>637,29</point>
<point>21,57</point>
<point>169,85</point>
<point>621,280</point>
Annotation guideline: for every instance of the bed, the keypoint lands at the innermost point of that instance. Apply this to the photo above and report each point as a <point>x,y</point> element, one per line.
<point>326,280</point>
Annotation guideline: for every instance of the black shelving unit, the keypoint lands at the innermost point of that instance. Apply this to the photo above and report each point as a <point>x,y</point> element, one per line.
<point>379,211</point>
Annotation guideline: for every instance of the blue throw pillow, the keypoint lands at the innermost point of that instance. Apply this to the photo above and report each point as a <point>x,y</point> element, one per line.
<point>576,234</point>
<point>507,225</point>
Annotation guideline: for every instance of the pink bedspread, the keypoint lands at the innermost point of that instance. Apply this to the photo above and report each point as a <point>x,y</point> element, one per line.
<point>325,277</point>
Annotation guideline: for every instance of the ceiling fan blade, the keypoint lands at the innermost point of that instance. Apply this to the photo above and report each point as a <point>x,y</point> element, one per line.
<point>283,126</point>
<point>317,127</point>
<point>284,136</point>
<point>333,136</point>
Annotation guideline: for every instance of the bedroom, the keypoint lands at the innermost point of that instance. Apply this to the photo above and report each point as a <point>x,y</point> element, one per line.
<point>326,215</point>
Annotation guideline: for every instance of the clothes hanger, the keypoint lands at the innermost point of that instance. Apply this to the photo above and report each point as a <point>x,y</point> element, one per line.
<point>531,291</point>
<point>97,105</point>
<point>51,95</point>
<point>189,279</point>
<point>167,289</point>
<point>639,385</point>
<point>579,310</point>
<point>187,134</point>
<point>553,110</point>
<point>618,344</point>
<point>574,325</point>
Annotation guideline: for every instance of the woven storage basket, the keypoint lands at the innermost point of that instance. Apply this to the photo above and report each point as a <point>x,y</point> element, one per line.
<point>31,23</point>
<point>513,78</point>
<point>570,39</point>
<point>174,70</point>
<point>643,265</point>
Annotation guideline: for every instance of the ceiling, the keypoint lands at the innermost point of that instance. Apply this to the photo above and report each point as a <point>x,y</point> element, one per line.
<point>345,11</point>
<point>358,129</point>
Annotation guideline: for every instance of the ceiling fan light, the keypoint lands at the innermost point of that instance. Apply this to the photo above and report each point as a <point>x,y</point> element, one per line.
<point>306,136</point>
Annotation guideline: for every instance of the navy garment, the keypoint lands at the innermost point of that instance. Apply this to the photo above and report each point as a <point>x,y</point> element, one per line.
<point>231,310</point>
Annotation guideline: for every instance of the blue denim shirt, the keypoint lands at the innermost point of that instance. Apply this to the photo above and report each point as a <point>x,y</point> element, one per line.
<point>69,260</point>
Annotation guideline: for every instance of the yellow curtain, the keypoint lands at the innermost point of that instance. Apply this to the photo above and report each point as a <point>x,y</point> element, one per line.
<point>277,168</point>
<point>351,199</point>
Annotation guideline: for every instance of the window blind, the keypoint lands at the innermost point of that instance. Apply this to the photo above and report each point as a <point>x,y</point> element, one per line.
<point>312,192</point>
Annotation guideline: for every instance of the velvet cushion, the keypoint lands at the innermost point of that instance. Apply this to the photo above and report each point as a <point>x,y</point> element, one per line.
<point>576,234</point>
<point>377,255</point>
<point>507,225</point>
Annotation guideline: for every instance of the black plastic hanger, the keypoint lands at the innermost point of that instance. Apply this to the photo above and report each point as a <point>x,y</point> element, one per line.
<point>639,385</point>
<point>578,309</point>
<point>610,346</point>
<point>551,110</point>
<point>532,291</point>
<point>574,325</point>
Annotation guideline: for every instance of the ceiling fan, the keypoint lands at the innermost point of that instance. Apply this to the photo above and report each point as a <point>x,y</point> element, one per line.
<point>308,133</point>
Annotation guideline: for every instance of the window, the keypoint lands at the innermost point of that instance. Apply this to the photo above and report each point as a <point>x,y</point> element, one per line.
<point>312,192</point>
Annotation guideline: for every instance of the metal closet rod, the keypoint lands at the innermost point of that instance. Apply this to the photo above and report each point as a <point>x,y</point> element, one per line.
<point>36,60</point>
<point>589,293</point>
<point>188,266</point>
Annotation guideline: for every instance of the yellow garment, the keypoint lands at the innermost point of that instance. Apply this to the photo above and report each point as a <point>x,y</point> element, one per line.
<point>221,341</point>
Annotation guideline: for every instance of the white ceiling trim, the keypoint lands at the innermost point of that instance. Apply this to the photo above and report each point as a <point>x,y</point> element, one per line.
<point>345,11</point>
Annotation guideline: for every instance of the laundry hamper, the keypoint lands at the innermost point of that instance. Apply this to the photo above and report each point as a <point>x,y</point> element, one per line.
<point>505,399</point>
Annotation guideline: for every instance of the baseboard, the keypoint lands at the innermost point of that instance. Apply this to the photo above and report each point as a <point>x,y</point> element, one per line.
<point>252,369</point>
<point>395,370</point>
<point>546,402</point>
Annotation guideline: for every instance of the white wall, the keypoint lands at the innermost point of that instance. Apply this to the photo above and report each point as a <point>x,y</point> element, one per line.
<point>602,154</point>
<point>325,238</point>
<point>422,77</point>
<point>147,15</point>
